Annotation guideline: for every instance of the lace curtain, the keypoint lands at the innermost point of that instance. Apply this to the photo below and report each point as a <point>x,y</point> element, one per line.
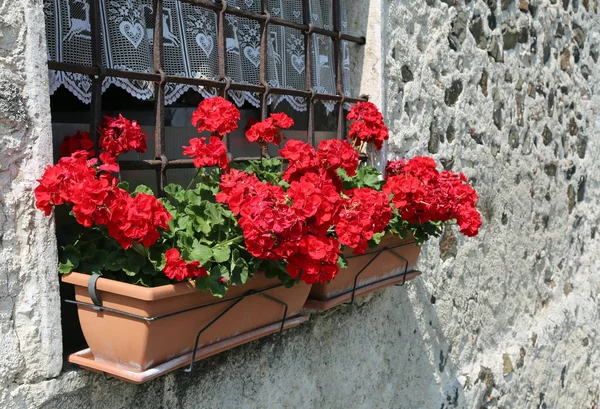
<point>190,47</point>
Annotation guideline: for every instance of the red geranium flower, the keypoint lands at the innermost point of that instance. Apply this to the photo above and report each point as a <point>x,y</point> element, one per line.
<point>117,136</point>
<point>368,125</point>
<point>216,115</point>
<point>422,194</point>
<point>334,154</point>
<point>269,130</point>
<point>79,142</point>
<point>177,269</point>
<point>364,213</point>
<point>212,153</point>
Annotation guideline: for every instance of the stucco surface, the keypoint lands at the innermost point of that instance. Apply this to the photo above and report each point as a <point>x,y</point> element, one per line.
<point>508,92</point>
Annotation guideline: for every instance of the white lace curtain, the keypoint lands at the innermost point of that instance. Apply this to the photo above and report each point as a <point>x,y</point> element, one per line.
<point>190,47</point>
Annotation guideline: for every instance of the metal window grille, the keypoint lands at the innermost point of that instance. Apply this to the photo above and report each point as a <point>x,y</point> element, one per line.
<point>161,162</point>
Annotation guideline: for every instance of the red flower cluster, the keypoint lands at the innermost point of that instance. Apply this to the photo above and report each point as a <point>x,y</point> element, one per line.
<point>364,213</point>
<point>213,153</point>
<point>394,167</point>
<point>79,142</point>
<point>368,126</point>
<point>117,136</point>
<point>269,130</point>
<point>302,159</point>
<point>334,154</point>
<point>176,267</point>
<point>97,200</point>
<point>290,225</point>
<point>216,115</point>
<point>422,194</point>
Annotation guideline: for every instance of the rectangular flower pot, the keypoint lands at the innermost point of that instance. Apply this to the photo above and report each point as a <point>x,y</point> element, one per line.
<point>377,268</point>
<point>140,333</point>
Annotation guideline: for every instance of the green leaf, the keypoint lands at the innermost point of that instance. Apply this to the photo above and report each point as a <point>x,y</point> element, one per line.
<point>201,253</point>
<point>221,253</point>
<point>124,185</point>
<point>115,261</point>
<point>134,262</point>
<point>175,191</point>
<point>342,262</point>
<point>213,212</point>
<point>69,256</point>
<point>143,189</point>
<point>155,255</point>
<point>66,268</point>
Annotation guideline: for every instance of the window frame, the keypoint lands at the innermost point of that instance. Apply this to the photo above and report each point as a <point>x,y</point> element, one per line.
<point>161,163</point>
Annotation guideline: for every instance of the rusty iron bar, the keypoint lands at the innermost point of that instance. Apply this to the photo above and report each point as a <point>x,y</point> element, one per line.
<point>264,41</point>
<point>175,79</point>
<point>97,72</point>
<point>186,163</point>
<point>98,76</point>
<point>222,53</point>
<point>337,57</point>
<point>310,100</point>
<point>217,6</point>
<point>159,100</point>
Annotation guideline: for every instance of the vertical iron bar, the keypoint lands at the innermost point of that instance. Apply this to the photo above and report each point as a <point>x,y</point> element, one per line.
<point>337,57</point>
<point>310,105</point>
<point>159,97</point>
<point>221,44</point>
<point>264,41</point>
<point>222,55</point>
<point>97,80</point>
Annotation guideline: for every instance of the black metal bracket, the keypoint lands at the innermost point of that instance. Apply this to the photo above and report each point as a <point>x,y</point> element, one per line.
<point>207,326</point>
<point>92,292</point>
<point>377,254</point>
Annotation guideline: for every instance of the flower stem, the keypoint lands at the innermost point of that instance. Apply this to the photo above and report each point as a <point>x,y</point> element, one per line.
<point>194,178</point>
<point>231,241</point>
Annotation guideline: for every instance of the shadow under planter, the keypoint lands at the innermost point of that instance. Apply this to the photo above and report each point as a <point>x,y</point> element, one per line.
<point>137,334</point>
<point>390,263</point>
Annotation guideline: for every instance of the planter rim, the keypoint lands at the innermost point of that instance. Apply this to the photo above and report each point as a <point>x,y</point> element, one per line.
<point>131,290</point>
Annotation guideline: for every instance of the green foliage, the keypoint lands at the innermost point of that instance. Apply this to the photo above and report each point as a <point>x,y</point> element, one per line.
<point>266,170</point>
<point>366,176</point>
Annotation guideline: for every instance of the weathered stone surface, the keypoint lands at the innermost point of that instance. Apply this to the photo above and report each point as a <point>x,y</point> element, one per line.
<point>510,36</point>
<point>453,92</point>
<point>565,61</point>
<point>407,74</point>
<point>483,305</point>
<point>578,35</point>
<point>483,83</point>
<point>30,336</point>
<point>495,50</point>
<point>459,30</point>
<point>478,33</point>
<point>498,105</point>
<point>547,135</point>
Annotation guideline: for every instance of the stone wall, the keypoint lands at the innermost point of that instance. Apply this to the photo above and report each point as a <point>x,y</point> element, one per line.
<point>505,91</point>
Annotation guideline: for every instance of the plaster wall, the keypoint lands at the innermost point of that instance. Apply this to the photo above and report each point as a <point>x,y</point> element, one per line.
<point>508,319</point>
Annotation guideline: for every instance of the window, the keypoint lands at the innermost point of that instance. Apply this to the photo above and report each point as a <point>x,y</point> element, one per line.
<point>257,53</point>
<point>106,57</point>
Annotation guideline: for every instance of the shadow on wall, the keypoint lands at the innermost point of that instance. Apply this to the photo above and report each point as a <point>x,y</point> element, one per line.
<point>384,352</point>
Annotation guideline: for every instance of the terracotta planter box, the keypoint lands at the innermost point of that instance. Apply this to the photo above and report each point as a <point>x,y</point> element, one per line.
<point>137,349</point>
<point>381,267</point>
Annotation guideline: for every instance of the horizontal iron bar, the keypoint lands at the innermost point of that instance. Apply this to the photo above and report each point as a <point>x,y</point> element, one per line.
<point>176,79</point>
<point>145,164</point>
<point>217,6</point>
<point>150,319</point>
